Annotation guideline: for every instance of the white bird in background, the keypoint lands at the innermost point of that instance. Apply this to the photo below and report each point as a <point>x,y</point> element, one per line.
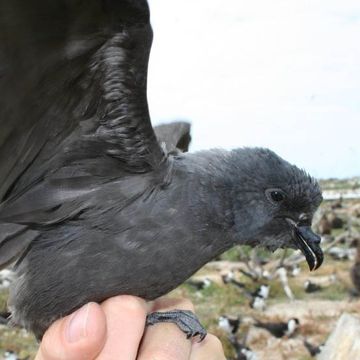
<point>282,275</point>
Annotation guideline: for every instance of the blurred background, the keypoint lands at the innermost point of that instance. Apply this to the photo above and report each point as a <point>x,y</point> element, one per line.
<point>280,74</point>
<point>285,75</point>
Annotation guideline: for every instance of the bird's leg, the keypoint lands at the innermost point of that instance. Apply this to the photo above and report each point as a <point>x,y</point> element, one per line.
<point>185,320</point>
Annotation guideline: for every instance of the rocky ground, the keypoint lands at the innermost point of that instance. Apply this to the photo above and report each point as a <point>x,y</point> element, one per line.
<point>339,224</point>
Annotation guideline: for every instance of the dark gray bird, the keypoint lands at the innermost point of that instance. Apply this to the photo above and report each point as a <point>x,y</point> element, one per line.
<point>280,329</point>
<point>91,206</point>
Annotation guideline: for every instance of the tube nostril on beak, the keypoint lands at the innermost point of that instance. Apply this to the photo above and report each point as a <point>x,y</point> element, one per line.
<point>310,235</point>
<point>317,239</point>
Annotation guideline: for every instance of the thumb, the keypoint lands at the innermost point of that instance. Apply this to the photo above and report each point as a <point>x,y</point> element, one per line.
<point>77,336</point>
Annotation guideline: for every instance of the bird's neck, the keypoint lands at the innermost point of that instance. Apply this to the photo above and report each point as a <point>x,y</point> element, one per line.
<point>222,198</point>
<point>212,201</point>
<point>212,196</point>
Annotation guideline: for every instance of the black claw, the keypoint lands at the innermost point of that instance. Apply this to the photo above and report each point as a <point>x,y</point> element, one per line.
<point>185,320</point>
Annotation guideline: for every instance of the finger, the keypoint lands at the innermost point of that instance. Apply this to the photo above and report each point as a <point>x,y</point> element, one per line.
<point>166,340</point>
<point>166,304</point>
<point>209,349</point>
<point>125,317</point>
<point>77,336</point>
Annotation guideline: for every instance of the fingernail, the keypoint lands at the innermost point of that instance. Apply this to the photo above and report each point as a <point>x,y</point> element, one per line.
<point>76,329</point>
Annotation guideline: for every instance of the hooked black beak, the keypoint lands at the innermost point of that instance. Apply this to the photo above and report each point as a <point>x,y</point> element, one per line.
<point>309,244</point>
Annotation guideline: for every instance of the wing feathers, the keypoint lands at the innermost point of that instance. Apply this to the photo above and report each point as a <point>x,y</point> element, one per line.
<point>14,240</point>
<point>123,111</point>
<point>85,87</point>
<point>73,75</point>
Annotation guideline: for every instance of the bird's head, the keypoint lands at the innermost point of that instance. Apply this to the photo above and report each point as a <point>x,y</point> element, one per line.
<point>274,203</point>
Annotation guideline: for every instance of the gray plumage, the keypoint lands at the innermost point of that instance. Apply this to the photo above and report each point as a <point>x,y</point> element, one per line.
<point>91,206</point>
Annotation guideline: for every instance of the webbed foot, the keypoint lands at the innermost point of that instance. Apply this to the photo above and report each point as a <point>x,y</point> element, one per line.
<point>186,320</point>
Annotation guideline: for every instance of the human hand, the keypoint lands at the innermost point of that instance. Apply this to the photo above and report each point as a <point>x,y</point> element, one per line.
<point>116,330</point>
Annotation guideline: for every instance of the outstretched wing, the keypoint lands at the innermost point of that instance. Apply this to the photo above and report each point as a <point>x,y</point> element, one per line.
<point>175,135</point>
<point>73,79</point>
<point>73,109</point>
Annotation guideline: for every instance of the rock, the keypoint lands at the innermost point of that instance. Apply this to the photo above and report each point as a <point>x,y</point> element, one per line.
<point>344,341</point>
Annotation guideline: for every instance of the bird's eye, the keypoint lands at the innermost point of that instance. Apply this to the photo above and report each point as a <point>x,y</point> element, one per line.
<point>275,195</point>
